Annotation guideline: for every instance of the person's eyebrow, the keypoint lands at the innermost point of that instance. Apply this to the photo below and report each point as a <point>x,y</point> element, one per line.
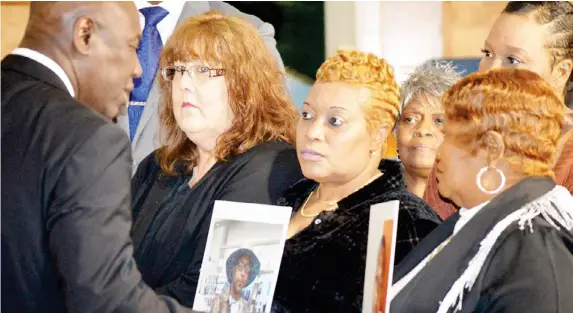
<point>337,107</point>
<point>518,50</point>
<point>510,47</point>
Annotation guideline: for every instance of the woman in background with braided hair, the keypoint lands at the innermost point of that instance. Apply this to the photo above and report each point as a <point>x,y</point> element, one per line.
<point>340,140</point>
<point>537,36</point>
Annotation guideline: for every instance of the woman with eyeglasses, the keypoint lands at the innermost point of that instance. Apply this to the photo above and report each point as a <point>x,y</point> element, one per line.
<point>228,127</point>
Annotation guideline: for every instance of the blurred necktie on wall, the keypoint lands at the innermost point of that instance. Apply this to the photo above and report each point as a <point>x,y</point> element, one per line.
<point>148,53</point>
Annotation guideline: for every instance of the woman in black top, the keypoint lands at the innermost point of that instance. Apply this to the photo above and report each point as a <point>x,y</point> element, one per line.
<point>340,139</point>
<point>229,127</point>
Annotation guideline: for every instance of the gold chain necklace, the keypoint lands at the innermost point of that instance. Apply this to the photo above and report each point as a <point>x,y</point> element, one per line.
<point>332,204</point>
<point>313,215</point>
<point>322,201</point>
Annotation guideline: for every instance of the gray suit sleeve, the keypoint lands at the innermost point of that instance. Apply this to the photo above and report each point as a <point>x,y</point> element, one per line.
<point>89,224</point>
<point>266,30</point>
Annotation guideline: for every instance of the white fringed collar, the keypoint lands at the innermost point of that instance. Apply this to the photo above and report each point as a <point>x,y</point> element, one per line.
<point>556,207</point>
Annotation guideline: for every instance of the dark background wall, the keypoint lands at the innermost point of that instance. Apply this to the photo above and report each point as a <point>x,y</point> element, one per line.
<point>299,28</point>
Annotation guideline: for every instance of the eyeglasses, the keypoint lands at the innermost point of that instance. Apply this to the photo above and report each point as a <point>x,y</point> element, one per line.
<point>244,267</point>
<point>200,73</point>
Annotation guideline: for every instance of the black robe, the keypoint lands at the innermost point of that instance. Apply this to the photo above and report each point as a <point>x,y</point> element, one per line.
<point>525,271</point>
<point>171,220</point>
<point>322,269</point>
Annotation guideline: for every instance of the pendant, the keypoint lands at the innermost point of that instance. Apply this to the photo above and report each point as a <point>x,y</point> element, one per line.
<point>317,221</point>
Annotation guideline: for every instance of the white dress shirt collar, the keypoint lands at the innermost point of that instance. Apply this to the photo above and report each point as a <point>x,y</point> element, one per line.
<point>466,215</point>
<point>168,23</point>
<point>49,63</point>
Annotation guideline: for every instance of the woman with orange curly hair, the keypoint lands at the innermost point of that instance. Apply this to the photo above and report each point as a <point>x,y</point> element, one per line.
<point>510,249</point>
<point>341,137</point>
<point>229,126</point>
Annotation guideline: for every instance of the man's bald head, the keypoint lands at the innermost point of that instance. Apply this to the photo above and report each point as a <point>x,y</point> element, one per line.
<point>58,18</point>
<point>95,43</point>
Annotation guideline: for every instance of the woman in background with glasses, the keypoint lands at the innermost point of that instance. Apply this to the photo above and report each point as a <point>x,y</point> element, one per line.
<point>228,128</point>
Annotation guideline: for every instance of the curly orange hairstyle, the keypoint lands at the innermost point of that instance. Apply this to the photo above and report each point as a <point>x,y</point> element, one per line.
<point>256,85</point>
<point>382,105</point>
<point>516,103</point>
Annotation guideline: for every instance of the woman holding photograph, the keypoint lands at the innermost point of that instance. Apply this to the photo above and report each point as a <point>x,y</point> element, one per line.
<point>229,127</point>
<point>537,36</point>
<point>511,249</point>
<point>341,137</point>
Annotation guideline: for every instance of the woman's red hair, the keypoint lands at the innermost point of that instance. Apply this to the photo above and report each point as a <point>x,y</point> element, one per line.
<point>256,85</point>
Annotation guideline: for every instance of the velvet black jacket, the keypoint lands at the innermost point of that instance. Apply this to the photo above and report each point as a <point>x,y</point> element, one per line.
<point>322,268</point>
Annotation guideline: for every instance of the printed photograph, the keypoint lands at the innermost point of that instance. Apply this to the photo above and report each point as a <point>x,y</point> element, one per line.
<point>242,258</point>
<point>380,256</point>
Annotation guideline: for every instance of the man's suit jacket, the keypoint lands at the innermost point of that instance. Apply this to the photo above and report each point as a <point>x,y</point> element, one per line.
<point>146,138</point>
<point>66,199</point>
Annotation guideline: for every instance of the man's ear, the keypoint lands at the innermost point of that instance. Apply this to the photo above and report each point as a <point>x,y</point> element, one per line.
<point>495,147</point>
<point>83,32</point>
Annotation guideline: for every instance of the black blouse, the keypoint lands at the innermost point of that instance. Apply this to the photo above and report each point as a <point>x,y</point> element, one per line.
<point>323,265</point>
<point>171,221</point>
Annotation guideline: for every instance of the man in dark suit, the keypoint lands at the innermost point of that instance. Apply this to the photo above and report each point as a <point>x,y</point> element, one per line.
<point>159,19</point>
<point>66,168</point>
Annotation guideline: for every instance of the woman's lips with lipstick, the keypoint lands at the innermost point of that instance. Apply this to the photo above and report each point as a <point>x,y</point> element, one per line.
<point>310,155</point>
<point>423,147</point>
<point>188,105</point>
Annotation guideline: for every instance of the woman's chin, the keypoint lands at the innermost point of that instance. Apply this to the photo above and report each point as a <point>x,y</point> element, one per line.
<point>422,162</point>
<point>314,172</point>
<point>421,169</point>
<point>443,190</point>
<point>190,127</point>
